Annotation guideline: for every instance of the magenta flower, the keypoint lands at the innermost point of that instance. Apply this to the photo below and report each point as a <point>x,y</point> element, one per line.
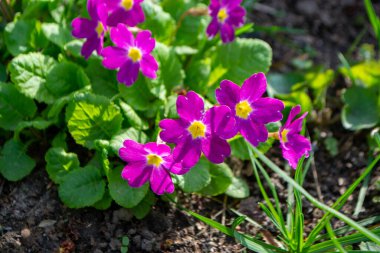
<point>128,12</point>
<point>93,30</point>
<point>251,110</point>
<point>226,16</point>
<point>152,162</point>
<point>130,54</point>
<point>294,145</point>
<point>197,131</point>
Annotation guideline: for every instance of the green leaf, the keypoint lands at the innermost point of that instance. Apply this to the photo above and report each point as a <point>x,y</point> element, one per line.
<point>29,72</point>
<point>138,95</point>
<point>59,163</point>
<point>14,106</point>
<point>82,187</point>
<point>59,140</point>
<point>103,81</point>
<point>366,72</point>
<point>369,246</point>
<point>361,108</point>
<point>279,83</point>
<point>15,164</point>
<point>297,98</point>
<point>37,123</point>
<point>130,133</point>
<point>169,74</point>
<point>65,78</point>
<point>221,179</point>
<point>239,148</point>
<point>242,58</point>
<point>170,110</point>
<point>105,202</point>
<point>57,34</point>
<point>159,22</point>
<point>21,36</point>
<point>197,178</point>
<point>193,29</point>
<point>331,145</point>
<point>238,189</point>
<point>122,193</point>
<point>132,117</point>
<point>144,207</point>
<point>197,75</point>
<point>92,117</point>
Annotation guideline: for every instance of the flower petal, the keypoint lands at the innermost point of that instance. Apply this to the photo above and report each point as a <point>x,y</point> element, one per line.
<point>187,151</point>
<point>160,181</point>
<point>83,28</point>
<point>215,149</point>
<point>132,152</point>
<point>93,43</point>
<point>254,87</point>
<point>136,15</point>
<point>136,173</point>
<point>253,132</point>
<point>296,126</point>
<point>149,66</point>
<point>173,167</point>
<point>227,33</point>
<point>292,114</point>
<point>92,6</point>
<point>145,42</point>
<point>118,16</point>
<point>172,130</point>
<point>128,73</point>
<point>236,16</point>
<point>220,121</point>
<point>114,57</point>
<point>190,107</point>
<point>212,28</point>
<point>121,36</point>
<point>267,110</point>
<point>159,149</point>
<point>228,94</point>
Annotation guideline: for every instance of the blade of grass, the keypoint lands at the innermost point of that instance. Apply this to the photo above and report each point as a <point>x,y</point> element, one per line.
<point>339,204</point>
<point>333,238</point>
<point>361,197</point>
<point>299,218</point>
<point>346,65</point>
<point>375,22</point>
<point>314,201</point>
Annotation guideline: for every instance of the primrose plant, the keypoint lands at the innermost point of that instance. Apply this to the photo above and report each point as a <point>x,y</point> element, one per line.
<point>168,87</point>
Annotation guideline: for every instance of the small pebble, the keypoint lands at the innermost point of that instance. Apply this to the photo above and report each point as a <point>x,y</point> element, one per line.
<point>25,233</point>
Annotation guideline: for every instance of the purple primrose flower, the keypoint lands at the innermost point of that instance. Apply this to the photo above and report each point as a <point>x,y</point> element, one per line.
<point>197,131</point>
<point>93,30</point>
<point>251,110</point>
<point>226,16</point>
<point>152,162</point>
<point>294,145</point>
<point>130,54</point>
<point>128,12</point>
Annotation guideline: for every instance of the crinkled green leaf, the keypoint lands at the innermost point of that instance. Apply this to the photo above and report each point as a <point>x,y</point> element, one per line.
<point>130,133</point>
<point>59,163</point>
<point>29,72</point>
<point>242,58</point>
<point>65,78</point>
<point>91,117</point>
<point>105,202</point>
<point>238,188</point>
<point>15,164</point>
<point>132,117</point>
<point>221,179</point>
<point>361,109</point>
<point>82,187</point>
<point>37,123</point>
<point>197,75</point>
<point>14,106</point>
<point>22,36</point>
<point>144,207</point>
<point>197,178</point>
<point>103,81</point>
<point>122,193</point>
<point>159,22</point>
<point>57,34</point>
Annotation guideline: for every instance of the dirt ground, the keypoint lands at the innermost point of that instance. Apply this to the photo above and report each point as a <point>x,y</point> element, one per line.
<point>32,218</point>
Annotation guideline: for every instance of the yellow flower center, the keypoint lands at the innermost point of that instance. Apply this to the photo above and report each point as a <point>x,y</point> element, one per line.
<point>197,129</point>
<point>153,159</point>
<point>222,15</point>
<point>284,135</point>
<point>99,29</point>
<point>127,4</point>
<point>243,109</point>
<point>134,54</point>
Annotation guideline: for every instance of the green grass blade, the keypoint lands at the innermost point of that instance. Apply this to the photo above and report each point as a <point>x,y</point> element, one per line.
<point>314,201</point>
<point>339,204</point>
<point>333,238</point>
<point>346,240</point>
<point>362,193</point>
<point>375,22</point>
<point>345,63</point>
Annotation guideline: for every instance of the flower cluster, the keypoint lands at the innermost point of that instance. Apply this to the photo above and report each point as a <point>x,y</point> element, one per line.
<point>196,131</point>
<point>130,55</point>
<point>226,16</point>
